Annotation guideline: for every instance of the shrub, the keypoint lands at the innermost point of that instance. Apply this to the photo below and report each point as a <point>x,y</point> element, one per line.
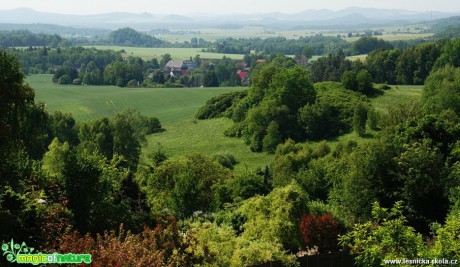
<point>321,231</point>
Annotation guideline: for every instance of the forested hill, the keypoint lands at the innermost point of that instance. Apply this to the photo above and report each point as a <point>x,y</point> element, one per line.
<point>130,37</point>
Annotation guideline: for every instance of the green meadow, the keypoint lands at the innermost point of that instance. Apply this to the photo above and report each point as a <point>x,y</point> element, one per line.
<point>176,53</point>
<point>89,102</point>
<point>396,95</point>
<point>175,107</point>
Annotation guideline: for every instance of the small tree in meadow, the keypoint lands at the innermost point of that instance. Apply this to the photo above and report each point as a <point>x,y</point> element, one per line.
<point>359,119</point>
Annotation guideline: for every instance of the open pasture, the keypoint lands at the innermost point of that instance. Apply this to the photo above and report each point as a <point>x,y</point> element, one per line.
<point>89,102</point>
<point>176,53</point>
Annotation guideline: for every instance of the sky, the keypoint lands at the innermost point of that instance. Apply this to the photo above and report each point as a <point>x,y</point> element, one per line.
<point>220,6</point>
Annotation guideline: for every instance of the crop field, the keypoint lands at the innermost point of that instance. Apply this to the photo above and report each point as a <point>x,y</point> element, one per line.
<point>391,33</point>
<point>397,36</point>
<point>176,53</point>
<point>89,102</point>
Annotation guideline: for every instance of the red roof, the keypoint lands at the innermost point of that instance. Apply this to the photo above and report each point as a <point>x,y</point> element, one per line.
<point>242,74</point>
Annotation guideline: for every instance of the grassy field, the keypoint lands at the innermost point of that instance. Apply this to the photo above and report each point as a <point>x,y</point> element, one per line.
<point>88,102</point>
<point>358,57</point>
<point>205,136</point>
<point>390,33</point>
<point>175,108</point>
<point>176,53</point>
<point>397,36</point>
<point>397,94</point>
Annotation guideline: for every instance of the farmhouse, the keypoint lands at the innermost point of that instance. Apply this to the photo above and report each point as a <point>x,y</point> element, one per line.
<point>244,77</point>
<point>179,67</point>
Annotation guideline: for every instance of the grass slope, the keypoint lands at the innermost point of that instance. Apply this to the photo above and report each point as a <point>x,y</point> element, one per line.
<point>397,94</point>
<point>89,102</point>
<point>205,136</point>
<point>174,107</point>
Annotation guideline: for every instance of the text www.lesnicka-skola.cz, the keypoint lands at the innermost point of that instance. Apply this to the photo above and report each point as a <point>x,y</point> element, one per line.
<point>422,262</point>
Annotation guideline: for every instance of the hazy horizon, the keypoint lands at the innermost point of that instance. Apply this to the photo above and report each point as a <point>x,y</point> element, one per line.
<point>90,7</point>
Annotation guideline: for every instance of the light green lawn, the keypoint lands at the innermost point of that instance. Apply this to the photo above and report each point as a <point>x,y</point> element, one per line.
<point>176,53</point>
<point>88,102</point>
<point>397,94</point>
<point>206,136</point>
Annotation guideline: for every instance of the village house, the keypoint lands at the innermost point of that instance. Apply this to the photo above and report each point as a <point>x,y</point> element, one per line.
<point>177,68</point>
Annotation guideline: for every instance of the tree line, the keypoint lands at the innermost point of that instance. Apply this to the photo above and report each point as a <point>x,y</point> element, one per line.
<point>25,38</point>
<point>391,66</point>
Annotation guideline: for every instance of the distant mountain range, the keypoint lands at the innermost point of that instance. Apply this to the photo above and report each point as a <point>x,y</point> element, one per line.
<point>353,16</point>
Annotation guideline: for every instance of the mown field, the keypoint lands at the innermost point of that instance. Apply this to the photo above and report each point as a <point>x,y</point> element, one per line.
<point>175,107</point>
<point>88,102</point>
<point>176,53</point>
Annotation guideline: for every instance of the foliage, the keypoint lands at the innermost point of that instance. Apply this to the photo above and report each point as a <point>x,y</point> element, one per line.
<point>382,65</point>
<point>330,68</point>
<point>163,245</point>
<point>92,186</point>
<point>272,138</point>
<point>185,185</point>
<point>321,231</point>
<point>409,66</point>
<point>122,135</point>
<point>275,217</point>
<point>359,119</point>
<point>227,160</point>
<point>360,81</point>
<point>130,37</point>
<point>279,102</point>
<point>289,159</point>
<point>249,184</point>
<point>63,126</point>
<point>211,79</point>
<point>387,236</point>
<point>446,241</point>
<point>229,249</point>
<point>335,108</point>
<point>367,44</point>
<point>220,106</point>
<point>96,136</point>
<point>54,159</point>
<point>315,179</point>
<point>65,75</point>
<point>401,113</point>
<point>15,97</point>
<point>19,215</point>
<point>25,38</point>
<point>449,53</point>
<point>282,45</point>
<point>441,91</point>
